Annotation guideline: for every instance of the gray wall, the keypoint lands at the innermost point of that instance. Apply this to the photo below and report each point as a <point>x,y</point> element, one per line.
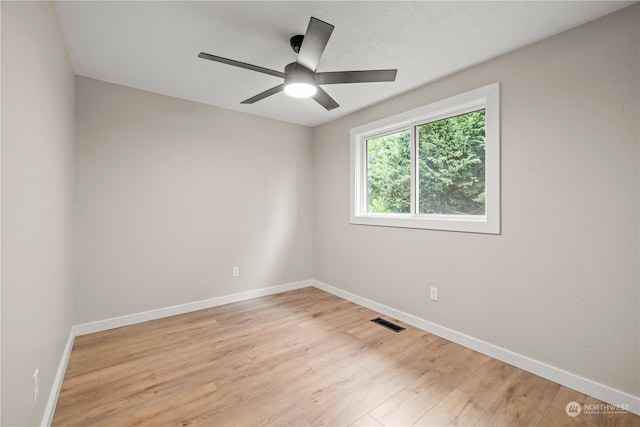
<point>37,205</point>
<point>561,283</point>
<point>171,194</point>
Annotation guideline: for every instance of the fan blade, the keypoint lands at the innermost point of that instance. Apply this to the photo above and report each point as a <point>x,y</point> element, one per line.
<point>264,94</point>
<point>241,64</point>
<point>314,42</point>
<point>366,76</point>
<point>325,100</point>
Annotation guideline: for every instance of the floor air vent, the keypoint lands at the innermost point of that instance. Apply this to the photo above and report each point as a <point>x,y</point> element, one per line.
<point>388,325</point>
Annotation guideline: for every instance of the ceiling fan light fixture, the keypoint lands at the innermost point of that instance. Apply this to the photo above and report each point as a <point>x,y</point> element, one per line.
<point>300,90</point>
<point>299,82</point>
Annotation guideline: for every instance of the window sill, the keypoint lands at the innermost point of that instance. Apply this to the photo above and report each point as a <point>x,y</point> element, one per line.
<point>458,223</point>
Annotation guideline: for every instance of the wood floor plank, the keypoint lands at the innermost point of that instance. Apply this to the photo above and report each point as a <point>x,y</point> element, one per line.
<point>490,381</point>
<point>300,358</point>
<point>100,401</point>
<point>328,356</point>
<point>366,421</point>
<point>555,417</point>
<point>523,403</point>
<point>283,410</point>
<point>459,367</point>
<point>348,407</point>
<point>456,409</point>
<point>80,382</point>
<point>337,383</point>
<point>389,351</point>
<point>170,412</point>
<point>409,404</point>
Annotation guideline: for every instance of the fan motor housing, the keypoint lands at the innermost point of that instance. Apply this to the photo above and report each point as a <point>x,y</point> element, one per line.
<point>296,73</point>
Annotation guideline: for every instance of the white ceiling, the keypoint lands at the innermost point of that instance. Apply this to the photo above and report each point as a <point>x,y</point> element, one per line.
<point>153,45</point>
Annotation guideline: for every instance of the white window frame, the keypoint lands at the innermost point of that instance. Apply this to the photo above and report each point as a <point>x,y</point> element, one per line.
<point>487,97</point>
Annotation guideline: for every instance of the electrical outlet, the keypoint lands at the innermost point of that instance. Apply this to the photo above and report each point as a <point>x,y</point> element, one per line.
<point>434,294</point>
<point>36,385</point>
<point>236,271</point>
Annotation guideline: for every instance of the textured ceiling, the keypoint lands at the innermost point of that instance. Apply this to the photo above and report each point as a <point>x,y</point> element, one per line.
<point>153,45</point>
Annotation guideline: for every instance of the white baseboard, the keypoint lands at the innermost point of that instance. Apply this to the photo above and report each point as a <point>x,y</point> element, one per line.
<point>130,319</point>
<point>560,376</point>
<point>49,411</point>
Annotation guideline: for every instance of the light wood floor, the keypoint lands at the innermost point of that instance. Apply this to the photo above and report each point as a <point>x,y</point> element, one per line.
<point>300,358</point>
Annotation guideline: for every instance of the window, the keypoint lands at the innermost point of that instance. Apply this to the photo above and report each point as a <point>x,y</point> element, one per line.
<point>435,167</point>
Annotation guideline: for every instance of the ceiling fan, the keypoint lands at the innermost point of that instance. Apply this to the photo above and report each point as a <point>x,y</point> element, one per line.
<point>300,78</point>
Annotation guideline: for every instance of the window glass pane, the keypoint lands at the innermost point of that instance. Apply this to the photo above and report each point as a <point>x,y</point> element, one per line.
<point>389,173</point>
<point>451,168</point>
